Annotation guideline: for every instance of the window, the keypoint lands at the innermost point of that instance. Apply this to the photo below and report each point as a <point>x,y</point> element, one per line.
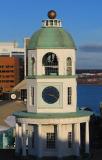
<point>46,23</point>
<point>11,66</point>
<point>33,66</point>
<point>11,71</point>
<point>11,80</point>
<point>50,63</point>
<point>69,139</point>
<point>33,140</point>
<point>7,81</point>
<point>7,76</point>
<point>11,75</point>
<point>69,66</point>
<point>51,22</point>
<point>50,140</point>
<point>69,95</point>
<point>11,86</point>
<point>7,70</point>
<point>32,95</point>
<point>55,22</point>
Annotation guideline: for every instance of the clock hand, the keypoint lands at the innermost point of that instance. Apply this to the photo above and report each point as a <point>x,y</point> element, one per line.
<point>52,95</point>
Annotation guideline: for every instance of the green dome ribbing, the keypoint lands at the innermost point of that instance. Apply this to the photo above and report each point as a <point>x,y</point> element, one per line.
<point>52,37</point>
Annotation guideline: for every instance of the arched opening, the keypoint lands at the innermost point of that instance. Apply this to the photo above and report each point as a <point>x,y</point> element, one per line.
<point>33,65</point>
<point>50,63</point>
<point>69,66</point>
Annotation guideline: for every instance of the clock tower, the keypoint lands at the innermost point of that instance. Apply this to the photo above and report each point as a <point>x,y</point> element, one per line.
<point>52,123</point>
<point>51,69</point>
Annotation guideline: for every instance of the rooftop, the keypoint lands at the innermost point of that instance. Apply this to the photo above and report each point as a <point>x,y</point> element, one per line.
<point>51,35</point>
<point>6,109</point>
<point>79,113</point>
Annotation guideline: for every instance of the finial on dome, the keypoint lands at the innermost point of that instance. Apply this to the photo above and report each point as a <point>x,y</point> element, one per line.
<point>52,21</point>
<point>52,14</point>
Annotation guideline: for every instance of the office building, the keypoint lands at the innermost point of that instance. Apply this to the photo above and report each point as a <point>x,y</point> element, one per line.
<point>12,49</point>
<point>9,73</point>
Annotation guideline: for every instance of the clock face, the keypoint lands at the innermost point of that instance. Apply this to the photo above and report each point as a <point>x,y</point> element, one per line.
<point>50,94</point>
<point>13,96</point>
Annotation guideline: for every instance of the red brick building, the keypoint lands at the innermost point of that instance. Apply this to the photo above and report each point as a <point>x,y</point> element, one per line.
<point>9,72</point>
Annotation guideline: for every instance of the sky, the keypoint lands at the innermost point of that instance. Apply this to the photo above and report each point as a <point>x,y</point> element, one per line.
<point>82,18</point>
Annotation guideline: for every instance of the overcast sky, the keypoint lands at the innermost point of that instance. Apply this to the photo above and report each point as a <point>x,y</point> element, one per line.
<point>82,18</point>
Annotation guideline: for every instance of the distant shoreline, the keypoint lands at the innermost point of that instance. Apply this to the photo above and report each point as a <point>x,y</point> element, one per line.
<point>98,84</point>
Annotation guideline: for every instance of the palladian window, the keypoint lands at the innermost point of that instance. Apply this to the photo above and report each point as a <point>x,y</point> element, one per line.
<point>69,66</point>
<point>50,64</point>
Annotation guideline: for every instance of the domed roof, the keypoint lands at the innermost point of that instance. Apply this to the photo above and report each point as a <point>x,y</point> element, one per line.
<point>51,37</point>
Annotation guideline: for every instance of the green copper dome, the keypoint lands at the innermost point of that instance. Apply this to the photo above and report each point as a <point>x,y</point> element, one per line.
<point>51,37</point>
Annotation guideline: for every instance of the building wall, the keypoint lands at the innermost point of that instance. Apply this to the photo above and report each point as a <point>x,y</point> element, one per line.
<point>63,141</point>
<point>12,49</point>
<point>9,72</point>
<point>61,84</point>
<point>65,150</point>
<point>61,105</point>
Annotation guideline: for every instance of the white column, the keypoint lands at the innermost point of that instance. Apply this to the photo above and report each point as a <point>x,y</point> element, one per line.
<point>77,138</point>
<point>20,136</point>
<point>24,139</point>
<point>29,141</point>
<point>87,138</point>
<point>17,139</point>
<point>39,140</point>
<point>59,144</point>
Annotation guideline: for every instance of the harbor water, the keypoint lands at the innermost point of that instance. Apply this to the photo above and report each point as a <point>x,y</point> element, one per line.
<point>89,96</point>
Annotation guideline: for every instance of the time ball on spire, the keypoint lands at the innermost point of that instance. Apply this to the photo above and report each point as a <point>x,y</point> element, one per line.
<point>52,14</point>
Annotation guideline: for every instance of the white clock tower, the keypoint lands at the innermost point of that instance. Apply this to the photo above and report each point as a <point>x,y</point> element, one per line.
<point>52,123</point>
